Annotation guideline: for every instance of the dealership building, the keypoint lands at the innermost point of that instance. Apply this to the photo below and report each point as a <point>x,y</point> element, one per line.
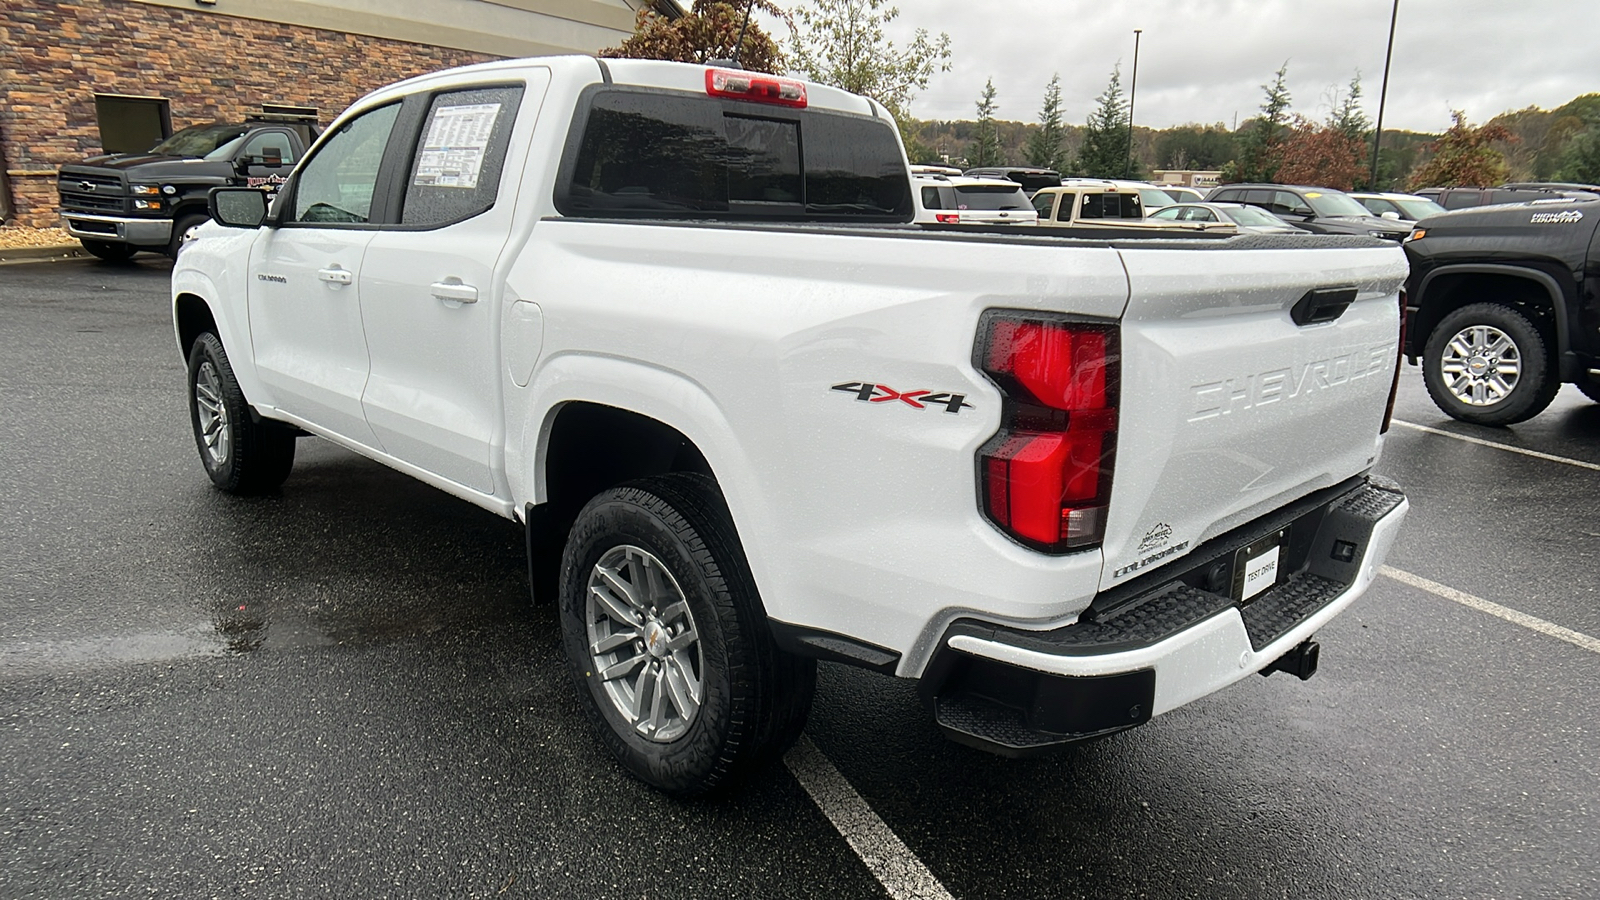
<point>81,77</point>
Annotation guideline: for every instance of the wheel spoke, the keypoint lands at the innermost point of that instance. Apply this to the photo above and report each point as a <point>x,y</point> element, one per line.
<point>657,691</point>
<point>641,696</point>
<point>624,591</point>
<point>1459,346</point>
<point>608,644</point>
<point>615,608</point>
<point>684,697</point>
<point>682,641</point>
<point>622,668</point>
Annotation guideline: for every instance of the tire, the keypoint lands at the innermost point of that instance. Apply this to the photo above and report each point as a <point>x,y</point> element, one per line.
<point>1488,364</point>
<point>110,251</point>
<point>752,697</point>
<point>181,227</point>
<point>242,455</point>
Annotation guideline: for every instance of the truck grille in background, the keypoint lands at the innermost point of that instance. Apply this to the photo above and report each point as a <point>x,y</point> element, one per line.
<point>92,193</point>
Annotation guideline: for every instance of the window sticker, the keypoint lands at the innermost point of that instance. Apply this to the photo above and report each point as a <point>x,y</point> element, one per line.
<point>453,152</point>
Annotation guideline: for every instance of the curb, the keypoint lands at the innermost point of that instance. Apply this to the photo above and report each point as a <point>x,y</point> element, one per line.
<point>54,251</point>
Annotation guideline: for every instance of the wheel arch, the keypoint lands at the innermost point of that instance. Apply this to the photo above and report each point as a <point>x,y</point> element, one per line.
<point>1449,288</point>
<point>191,317</point>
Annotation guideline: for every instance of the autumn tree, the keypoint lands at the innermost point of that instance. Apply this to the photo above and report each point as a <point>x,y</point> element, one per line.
<point>986,144</point>
<point>1261,142</point>
<point>1321,155</point>
<point>1045,147</point>
<point>710,31</point>
<point>1105,136</point>
<point>1463,157</point>
<point>841,42</point>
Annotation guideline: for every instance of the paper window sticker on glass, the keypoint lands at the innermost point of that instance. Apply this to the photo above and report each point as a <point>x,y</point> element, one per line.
<point>458,139</point>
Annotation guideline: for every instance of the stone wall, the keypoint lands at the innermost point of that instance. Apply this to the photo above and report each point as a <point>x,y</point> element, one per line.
<point>55,55</point>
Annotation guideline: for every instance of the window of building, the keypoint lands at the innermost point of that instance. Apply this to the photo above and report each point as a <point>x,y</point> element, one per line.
<point>131,124</point>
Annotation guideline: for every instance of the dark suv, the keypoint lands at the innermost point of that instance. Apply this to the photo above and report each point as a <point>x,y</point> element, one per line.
<point>1469,197</point>
<point>1031,178</point>
<point>1316,209</point>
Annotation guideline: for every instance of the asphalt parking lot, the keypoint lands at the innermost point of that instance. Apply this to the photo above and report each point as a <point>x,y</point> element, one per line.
<point>342,691</point>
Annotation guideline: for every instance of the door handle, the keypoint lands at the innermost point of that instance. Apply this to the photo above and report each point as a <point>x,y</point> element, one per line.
<point>336,275</point>
<point>454,290</point>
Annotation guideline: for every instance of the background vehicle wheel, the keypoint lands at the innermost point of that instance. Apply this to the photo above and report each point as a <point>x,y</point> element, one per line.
<point>1488,364</point>
<point>108,250</point>
<point>241,455</point>
<point>181,228</point>
<point>668,640</point>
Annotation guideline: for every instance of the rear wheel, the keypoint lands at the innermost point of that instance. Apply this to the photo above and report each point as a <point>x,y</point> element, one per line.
<point>668,641</point>
<point>1488,364</point>
<point>242,455</point>
<point>110,251</point>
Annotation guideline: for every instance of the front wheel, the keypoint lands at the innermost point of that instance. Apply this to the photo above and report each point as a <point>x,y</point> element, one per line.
<point>1488,364</point>
<point>668,641</point>
<point>110,251</point>
<point>242,455</point>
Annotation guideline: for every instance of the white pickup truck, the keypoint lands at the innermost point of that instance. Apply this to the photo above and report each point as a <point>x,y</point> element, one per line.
<point>677,322</point>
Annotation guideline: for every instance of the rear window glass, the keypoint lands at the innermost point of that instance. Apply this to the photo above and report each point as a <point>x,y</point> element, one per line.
<point>1111,206</point>
<point>987,196</point>
<point>680,156</point>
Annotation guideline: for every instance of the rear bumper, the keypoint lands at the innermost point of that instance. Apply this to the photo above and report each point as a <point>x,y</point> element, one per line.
<point>118,229</point>
<point>1165,644</point>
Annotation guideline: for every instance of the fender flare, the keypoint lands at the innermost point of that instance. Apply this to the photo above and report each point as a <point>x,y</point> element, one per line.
<point>1543,279</point>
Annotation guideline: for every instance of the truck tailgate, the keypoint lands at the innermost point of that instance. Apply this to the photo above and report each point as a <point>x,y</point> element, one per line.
<point>1229,408</point>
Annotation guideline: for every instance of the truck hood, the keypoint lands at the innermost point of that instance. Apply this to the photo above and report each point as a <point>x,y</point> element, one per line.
<point>144,165</point>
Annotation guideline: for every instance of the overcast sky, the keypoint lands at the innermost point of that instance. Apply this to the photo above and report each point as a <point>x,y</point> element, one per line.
<point>1205,60</point>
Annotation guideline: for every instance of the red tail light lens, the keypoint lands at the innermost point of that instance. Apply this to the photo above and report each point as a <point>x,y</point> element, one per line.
<point>947,218</point>
<point>1399,361</point>
<point>1046,475</point>
<point>739,85</point>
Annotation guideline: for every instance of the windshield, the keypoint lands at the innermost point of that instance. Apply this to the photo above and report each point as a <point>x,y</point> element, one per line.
<point>198,140</point>
<point>1254,215</point>
<point>1334,203</point>
<point>1417,208</point>
<point>991,196</point>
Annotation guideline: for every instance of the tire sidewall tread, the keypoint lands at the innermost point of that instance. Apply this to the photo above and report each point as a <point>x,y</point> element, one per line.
<point>1536,386</point>
<point>261,455</point>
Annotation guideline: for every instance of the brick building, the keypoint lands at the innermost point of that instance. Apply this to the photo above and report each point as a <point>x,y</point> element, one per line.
<point>75,73</point>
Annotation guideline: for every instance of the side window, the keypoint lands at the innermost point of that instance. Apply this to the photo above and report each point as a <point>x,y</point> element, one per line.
<point>1172,212</point>
<point>336,185</point>
<point>1202,215</point>
<point>455,171</point>
<point>1042,204</point>
<point>1064,214</point>
<point>1460,199</point>
<point>1129,206</point>
<point>1259,198</point>
<point>930,198</point>
<point>1094,207</point>
<point>1378,206</point>
<point>1228,197</point>
<point>270,148</point>
<point>1290,202</point>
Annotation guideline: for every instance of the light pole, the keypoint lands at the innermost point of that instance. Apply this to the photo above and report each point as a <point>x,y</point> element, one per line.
<point>1383,94</point>
<point>1133,91</point>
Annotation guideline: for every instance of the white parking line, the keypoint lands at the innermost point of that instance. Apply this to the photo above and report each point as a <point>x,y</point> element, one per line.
<point>887,857</point>
<point>1576,638</point>
<point>1507,447</point>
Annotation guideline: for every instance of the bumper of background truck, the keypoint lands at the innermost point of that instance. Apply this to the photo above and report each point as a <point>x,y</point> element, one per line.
<point>118,229</point>
<point>1168,637</point>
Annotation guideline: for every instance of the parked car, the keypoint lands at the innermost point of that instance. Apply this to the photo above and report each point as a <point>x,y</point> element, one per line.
<point>1086,205</point>
<point>746,422</point>
<point>1182,193</point>
<point>959,200</point>
<point>1249,219</point>
<point>1398,207</point>
<point>1469,197</point>
<point>1501,306</point>
<point>1031,178</point>
<point>1316,209</point>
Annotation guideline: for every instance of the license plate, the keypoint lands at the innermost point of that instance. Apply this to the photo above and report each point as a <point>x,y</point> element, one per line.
<point>1258,567</point>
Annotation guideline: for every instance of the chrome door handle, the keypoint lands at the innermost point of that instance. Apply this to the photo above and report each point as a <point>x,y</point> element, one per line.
<point>336,275</point>
<point>454,290</point>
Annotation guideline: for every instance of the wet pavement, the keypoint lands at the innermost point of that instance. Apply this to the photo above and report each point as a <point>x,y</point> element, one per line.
<point>341,690</point>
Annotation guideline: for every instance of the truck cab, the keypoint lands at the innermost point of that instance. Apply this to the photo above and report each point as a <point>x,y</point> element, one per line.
<point>119,204</point>
<point>1100,205</point>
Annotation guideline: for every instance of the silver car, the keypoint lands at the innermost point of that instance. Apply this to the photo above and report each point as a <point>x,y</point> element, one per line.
<point>1250,219</point>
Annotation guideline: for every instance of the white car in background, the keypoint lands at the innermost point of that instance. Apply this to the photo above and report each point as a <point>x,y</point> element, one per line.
<point>963,200</point>
<point>1399,207</point>
<point>1250,219</point>
<point>1182,193</point>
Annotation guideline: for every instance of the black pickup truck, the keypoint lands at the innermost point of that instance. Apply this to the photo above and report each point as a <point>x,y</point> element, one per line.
<point>120,204</point>
<point>1503,306</point>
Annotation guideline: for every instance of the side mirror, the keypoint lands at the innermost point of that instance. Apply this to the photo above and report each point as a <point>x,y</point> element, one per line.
<point>238,207</point>
<point>1391,215</point>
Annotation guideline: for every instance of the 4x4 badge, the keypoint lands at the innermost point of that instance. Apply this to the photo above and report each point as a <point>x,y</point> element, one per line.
<point>869,392</point>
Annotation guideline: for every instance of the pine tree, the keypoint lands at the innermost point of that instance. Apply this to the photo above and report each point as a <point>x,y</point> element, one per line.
<point>1260,146</point>
<point>986,145</point>
<point>1105,135</point>
<point>1348,118</point>
<point>1045,145</point>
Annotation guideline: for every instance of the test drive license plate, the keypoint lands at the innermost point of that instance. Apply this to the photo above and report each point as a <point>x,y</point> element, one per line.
<point>1258,566</point>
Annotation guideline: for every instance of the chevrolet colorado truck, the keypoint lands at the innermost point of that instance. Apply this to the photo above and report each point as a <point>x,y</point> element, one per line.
<point>1503,306</point>
<point>677,322</point>
<point>119,204</point>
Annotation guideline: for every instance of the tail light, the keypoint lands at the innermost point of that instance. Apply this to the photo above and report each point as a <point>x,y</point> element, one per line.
<point>739,85</point>
<point>1045,477</point>
<point>947,218</point>
<point>1399,360</point>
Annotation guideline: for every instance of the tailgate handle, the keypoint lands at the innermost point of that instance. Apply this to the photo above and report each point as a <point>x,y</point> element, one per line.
<point>1322,305</point>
